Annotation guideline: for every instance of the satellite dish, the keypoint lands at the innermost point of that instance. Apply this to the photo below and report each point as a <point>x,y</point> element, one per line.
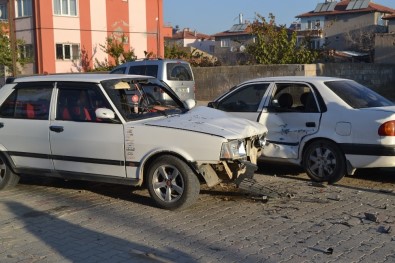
<point>242,48</point>
<point>232,49</point>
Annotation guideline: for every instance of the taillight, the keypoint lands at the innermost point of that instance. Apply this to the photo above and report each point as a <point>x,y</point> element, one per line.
<point>387,129</point>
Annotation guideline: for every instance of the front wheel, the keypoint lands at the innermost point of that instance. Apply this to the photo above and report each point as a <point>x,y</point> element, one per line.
<point>324,162</point>
<point>172,183</point>
<point>7,178</point>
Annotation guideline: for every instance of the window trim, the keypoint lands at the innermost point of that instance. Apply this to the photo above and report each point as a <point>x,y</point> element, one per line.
<point>70,49</point>
<point>4,12</point>
<point>60,6</point>
<point>21,10</point>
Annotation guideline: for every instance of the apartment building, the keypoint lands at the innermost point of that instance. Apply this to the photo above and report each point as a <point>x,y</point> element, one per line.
<point>344,25</point>
<point>55,32</point>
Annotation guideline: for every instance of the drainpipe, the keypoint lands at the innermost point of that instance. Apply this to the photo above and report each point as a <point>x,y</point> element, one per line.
<point>11,25</point>
<point>37,39</point>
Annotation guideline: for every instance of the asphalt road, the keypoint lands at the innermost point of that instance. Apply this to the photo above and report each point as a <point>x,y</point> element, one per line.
<point>48,220</point>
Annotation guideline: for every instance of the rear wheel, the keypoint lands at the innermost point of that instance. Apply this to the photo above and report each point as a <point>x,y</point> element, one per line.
<point>324,162</point>
<point>172,183</point>
<point>7,178</point>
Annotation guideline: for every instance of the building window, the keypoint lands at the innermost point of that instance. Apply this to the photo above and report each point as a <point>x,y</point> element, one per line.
<point>65,7</point>
<point>67,51</point>
<point>225,42</point>
<point>24,8</point>
<point>26,51</point>
<point>309,24</point>
<point>3,12</point>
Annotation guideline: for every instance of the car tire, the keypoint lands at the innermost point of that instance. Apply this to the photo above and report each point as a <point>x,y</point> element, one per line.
<point>8,179</point>
<point>323,161</point>
<point>172,183</point>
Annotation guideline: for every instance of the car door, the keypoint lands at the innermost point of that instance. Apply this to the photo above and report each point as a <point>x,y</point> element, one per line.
<point>80,142</point>
<point>292,114</point>
<point>245,101</point>
<point>24,122</point>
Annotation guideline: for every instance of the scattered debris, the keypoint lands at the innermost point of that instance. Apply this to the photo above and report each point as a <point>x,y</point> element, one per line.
<point>385,229</point>
<point>253,187</point>
<point>334,197</point>
<point>329,251</point>
<point>263,199</point>
<point>372,217</point>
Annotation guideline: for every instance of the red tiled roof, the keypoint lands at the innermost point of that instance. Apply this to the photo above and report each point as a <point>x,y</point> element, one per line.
<point>186,34</point>
<point>341,9</point>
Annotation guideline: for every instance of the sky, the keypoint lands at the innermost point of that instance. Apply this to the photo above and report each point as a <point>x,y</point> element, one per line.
<point>214,16</point>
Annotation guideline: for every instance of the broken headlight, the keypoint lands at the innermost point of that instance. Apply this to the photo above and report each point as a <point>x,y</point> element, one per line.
<point>233,150</point>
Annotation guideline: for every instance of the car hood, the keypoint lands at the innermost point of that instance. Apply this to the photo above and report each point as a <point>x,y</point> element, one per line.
<point>211,121</point>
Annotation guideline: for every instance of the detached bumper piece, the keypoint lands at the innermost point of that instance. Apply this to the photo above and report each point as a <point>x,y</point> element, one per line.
<point>247,171</point>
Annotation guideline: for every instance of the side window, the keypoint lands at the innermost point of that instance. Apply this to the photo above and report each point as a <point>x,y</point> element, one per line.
<point>245,99</point>
<point>80,104</point>
<point>27,103</point>
<point>293,97</point>
<point>148,70</point>
<point>119,71</point>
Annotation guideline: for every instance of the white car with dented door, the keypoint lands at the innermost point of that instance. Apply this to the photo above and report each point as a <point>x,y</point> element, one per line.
<point>330,126</point>
<point>115,128</point>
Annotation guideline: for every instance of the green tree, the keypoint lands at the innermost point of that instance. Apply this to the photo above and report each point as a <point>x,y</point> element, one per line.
<point>6,52</point>
<point>115,48</point>
<point>273,44</point>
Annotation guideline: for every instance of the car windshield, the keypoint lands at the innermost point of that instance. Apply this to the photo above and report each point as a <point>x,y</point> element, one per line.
<point>142,99</point>
<point>357,95</point>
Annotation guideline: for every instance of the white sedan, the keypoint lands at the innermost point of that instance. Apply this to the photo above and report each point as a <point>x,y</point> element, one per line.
<point>121,129</point>
<point>330,126</point>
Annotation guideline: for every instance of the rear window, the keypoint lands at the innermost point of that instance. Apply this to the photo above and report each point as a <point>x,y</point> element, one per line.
<point>179,71</point>
<point>357,95</point>
<point>148,70</point>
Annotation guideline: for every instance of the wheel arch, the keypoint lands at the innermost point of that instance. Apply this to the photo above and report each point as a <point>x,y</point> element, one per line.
<point>8,161</point>
<point>150,159</point>
<point>349,168</point>
<point>315,139</point>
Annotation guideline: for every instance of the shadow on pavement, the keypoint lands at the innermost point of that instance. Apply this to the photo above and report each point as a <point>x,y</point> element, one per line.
<point>75,243</point>
<point>122,192</point>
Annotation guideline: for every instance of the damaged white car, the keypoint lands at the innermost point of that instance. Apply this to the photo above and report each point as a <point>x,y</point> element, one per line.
<point>330,126</point>
<point>117,129</point>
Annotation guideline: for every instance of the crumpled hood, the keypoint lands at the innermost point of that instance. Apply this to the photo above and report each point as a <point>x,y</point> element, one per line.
<point>211,121</point>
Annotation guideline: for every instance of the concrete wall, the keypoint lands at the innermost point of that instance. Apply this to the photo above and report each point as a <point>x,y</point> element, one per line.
<point>213,81</point>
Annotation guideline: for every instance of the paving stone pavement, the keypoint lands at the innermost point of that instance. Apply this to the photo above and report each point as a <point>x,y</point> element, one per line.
<point>47,220</point>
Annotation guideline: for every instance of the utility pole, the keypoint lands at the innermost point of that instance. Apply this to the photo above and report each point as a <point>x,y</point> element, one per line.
<point>11,26</point>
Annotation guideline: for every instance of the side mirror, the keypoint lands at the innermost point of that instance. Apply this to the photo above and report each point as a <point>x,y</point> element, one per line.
<point>104,113</point>
<point>190,103</point>
<point>213,104</point>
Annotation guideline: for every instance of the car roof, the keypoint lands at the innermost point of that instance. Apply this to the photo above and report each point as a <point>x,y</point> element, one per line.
<point>296,78</point>
<point>79,77</point>
<point>153,62</point>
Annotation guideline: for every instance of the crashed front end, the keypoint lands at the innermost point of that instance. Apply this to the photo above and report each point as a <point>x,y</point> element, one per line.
<point>238,160</point>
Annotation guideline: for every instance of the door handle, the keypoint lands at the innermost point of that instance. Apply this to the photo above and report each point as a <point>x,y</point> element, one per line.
<point>310,124</point>
<point>56,128</point>
<point>1,125</point>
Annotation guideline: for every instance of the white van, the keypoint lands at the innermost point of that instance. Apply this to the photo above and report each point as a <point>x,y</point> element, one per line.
<point>177,74</point>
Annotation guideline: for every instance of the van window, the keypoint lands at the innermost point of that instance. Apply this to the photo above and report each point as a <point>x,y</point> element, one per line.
<point>119,71</point>
<point>178,71</point>
<point>148,70</point>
